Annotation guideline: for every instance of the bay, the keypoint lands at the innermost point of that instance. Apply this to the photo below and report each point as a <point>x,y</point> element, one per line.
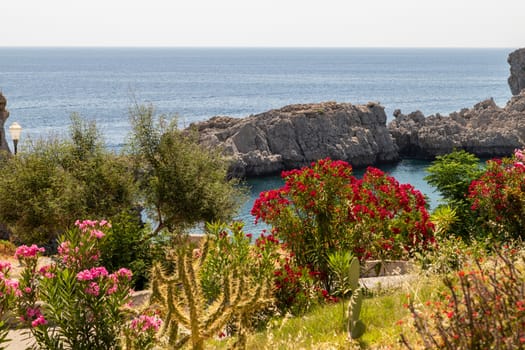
<point>45,85</point>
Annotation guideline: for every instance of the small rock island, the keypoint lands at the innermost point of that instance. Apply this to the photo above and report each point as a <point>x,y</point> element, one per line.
<point>297,135</point>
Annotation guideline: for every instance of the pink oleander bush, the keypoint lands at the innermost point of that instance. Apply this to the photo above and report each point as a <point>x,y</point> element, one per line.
<point>74,303</point>
<point>323,208</point>
<point>9,291</point>
<point>498,196</point>
<point>141,331</point>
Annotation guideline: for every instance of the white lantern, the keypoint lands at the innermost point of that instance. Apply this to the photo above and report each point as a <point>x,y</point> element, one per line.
<point>15,130</point>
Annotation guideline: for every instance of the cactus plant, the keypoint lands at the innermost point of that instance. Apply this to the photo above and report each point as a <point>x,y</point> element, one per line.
<point>353,273</point>
<point>355,326</point>
<point>186,307</point>
<point>346,276</point>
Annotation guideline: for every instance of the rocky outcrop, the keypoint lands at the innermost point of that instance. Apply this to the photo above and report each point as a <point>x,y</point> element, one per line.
<point>4,114</point>
<point>485,130</point>
<point>296,135</point>
<point>517,71</point>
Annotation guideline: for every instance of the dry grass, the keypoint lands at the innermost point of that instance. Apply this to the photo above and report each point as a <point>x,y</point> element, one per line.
<point>384,314</point>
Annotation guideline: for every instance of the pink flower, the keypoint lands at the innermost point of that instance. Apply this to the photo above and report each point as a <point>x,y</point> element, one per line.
<point>97,234</point>
<point>32,312</point>
<point>93,289</point>
<point>40,320</point>
<point>63,248</point>
<point>84,225</point>
<point>28,252</point>
<point>84,275</point>
<point>11,287</point>
<point>91,274</point>
<point>44,271</point>
<point>5,266</point>
<point>105,223</point>
<point>519,154</point>
<point>112,289</point>
<point>123,272</point>
<point>145,323</point>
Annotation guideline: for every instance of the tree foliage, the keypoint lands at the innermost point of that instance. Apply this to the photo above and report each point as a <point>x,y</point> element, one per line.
<point>181,182</point>
<point>54,180</point>
<point>452,174</point>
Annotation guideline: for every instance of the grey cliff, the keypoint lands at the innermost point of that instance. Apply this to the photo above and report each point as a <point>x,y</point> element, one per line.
<point>517,71</point>
<point>297,135</point>
<point>485,130</point>
<point>4,114</point>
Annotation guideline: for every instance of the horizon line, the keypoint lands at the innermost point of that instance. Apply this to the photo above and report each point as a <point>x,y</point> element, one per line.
<point>241,47</point>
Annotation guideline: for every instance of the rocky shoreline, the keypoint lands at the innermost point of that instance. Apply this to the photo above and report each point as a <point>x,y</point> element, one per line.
<point>485,130</point>
<point>296,135</point>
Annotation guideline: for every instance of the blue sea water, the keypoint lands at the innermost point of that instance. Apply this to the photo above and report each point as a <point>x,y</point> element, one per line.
<point>45,85</point>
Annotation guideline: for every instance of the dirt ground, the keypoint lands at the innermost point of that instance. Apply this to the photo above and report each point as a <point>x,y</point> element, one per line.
<point>19,340</point>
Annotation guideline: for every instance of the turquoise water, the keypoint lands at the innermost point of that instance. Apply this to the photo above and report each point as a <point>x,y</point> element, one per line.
<point>45,85</point>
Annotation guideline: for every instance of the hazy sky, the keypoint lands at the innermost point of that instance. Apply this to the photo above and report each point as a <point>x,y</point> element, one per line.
<point>405,23</point>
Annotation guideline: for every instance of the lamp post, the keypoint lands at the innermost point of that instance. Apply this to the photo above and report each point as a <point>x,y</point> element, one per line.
<point>14,130</point>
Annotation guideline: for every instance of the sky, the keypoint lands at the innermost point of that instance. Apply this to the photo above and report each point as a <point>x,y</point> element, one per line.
<point>266,23</point>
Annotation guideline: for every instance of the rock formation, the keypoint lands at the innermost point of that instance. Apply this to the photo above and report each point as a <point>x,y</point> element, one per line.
<point>296,135</point>
<point>4,114</point>
<point>517,71</point>
<point>485,130</point>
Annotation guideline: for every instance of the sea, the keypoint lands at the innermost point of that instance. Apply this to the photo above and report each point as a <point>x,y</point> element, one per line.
<point>44,86</point>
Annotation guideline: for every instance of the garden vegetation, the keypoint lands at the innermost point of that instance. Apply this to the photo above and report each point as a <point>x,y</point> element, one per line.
<point>238,291</point>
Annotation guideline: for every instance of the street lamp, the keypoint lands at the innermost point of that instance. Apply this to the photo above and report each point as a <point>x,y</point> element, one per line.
<point>14,130</point>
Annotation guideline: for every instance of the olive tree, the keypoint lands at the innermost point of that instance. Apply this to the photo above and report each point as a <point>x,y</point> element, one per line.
<point>181,182</point>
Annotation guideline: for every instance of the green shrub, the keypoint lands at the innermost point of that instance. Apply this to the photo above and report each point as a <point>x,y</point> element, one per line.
<point>452,174</point>
<point>38,195</point>
<point>52,181</point>
<point>450,251</point>
<point>125,246</point>
<point>483,307</point>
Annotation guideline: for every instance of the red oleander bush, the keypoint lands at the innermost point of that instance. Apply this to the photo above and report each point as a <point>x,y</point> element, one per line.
<point>296,287</point>
<point>498,196</point>
<point>323,208</point>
